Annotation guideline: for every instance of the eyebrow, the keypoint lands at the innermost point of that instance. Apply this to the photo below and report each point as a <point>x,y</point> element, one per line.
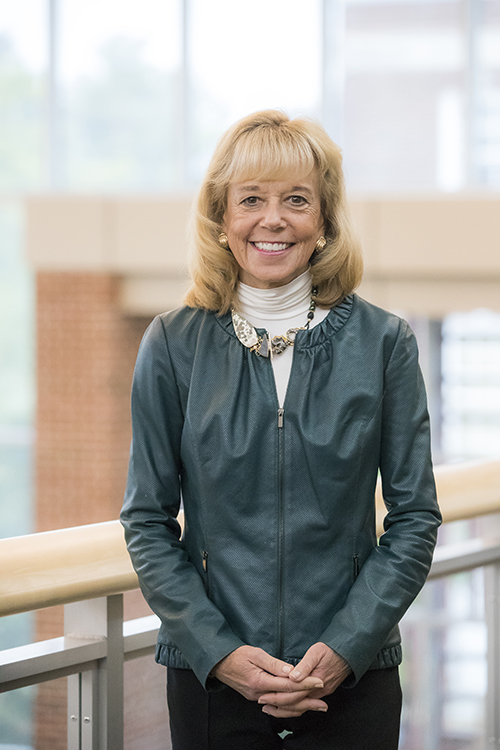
<point>256,189</point>
<point>301,188</point>
<point>244,188</point>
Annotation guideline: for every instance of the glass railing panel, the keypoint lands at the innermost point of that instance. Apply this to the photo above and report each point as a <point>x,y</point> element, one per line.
<point>444,671</point>
<point>145,709</point>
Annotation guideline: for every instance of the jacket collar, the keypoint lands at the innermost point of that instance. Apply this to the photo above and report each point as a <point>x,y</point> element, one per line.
<point>334,321</point>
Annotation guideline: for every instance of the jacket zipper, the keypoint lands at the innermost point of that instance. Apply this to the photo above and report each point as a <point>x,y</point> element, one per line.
<point>281,531</point>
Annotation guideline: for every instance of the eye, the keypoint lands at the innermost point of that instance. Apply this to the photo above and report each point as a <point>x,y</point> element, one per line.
<point>297,200</point>
<point>251,200</point>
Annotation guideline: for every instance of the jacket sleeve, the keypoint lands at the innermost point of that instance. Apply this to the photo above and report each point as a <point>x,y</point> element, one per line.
<point>169,581</point>
<point>396,569</point>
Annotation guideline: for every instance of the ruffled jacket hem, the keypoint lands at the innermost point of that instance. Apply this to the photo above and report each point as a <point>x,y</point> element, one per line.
<point>170,656</point>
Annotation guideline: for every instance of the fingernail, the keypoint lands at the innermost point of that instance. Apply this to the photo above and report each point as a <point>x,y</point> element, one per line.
<point>287,668</point>
<point>323,709</point>
<point>319,685</point>
<point>295,674</point>
<point>261,701</point>
<point>266,710</point>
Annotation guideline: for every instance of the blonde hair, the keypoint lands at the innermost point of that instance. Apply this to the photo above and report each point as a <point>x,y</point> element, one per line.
<point>268,145</point>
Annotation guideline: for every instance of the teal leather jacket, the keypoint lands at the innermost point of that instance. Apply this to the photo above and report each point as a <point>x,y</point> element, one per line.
<point>279,548</point>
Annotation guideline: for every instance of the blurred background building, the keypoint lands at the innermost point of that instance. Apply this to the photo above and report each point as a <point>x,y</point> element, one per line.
<point>109,112</point>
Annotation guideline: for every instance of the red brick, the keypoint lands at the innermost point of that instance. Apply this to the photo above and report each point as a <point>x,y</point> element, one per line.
<point>86,349</point>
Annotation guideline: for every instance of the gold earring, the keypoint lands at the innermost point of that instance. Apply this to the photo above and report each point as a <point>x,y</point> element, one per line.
<point>320,244</point>
<point>223,241</point>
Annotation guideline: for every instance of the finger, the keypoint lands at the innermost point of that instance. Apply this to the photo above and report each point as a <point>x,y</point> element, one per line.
<point>309,661</point>
<point>270,664</point>
<point>277,667</point>
<point>284,699</point>
<point>308,683</point>
<point>270,684</point>
<point>302,670</point>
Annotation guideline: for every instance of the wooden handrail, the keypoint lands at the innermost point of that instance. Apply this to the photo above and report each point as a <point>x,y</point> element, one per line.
<point>67,565</point>
<point>58,567</point>
<point>464,490</point>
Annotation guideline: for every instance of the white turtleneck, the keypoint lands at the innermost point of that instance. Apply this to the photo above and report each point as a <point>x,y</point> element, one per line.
<point>277,310</point>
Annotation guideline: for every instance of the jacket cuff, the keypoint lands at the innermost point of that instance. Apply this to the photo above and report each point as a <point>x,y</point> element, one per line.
<point>170,656</point>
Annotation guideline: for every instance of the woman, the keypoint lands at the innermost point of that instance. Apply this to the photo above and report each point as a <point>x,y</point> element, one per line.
<point>269,403</point>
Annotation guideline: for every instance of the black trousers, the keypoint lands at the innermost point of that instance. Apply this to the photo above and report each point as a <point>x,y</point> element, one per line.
<point>365,717</point>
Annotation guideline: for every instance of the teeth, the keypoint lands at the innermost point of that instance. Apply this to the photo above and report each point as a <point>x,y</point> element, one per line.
<point>273,246</point>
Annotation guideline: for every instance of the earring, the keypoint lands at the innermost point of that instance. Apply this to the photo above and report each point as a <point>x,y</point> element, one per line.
<point>223,241</point>
<point>320,244</point>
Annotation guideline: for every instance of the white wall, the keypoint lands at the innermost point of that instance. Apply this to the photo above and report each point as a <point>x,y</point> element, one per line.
<point>426,255</point>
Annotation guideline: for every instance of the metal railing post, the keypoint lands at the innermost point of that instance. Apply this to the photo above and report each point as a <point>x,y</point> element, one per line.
<point>111,697</point>
<point>492,591</point>
<point>89,686</point>
<point>95,696</point>
<point>74,712</point>
<point>83,620</point>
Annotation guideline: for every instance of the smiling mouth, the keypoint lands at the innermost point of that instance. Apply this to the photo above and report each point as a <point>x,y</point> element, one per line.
<point>272,247</point>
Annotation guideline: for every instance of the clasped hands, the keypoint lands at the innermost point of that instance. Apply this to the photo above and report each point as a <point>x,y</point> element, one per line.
<point>281,689</point>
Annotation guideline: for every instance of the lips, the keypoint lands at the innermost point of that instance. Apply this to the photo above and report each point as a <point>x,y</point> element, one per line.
<point>272,247</point>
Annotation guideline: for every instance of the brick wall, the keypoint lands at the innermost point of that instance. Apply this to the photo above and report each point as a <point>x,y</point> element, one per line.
<point>86,350</point>
<point>86,354</point>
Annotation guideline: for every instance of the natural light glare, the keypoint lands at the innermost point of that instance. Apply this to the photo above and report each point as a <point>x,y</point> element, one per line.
<point>257,55</point>
<point>399,50</point>
<point>86,27</point>
<point>29,38</point>
<point>490,48</point>
<point>450,140</point>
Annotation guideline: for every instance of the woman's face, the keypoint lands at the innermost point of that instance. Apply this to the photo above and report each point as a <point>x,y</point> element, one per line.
<point>272,228</point>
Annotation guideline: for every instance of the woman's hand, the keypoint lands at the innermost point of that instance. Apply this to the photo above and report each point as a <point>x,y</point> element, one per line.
<point>321,662</point>
<point>253,673</point>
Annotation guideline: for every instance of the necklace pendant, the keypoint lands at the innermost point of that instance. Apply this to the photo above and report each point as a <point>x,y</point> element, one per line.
<point>291,333</point>
<point>263,350</point>
<point>246,333</point>
<point>279,344</point>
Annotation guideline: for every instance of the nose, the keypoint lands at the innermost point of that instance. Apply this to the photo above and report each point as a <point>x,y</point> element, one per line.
<point>272,216</point>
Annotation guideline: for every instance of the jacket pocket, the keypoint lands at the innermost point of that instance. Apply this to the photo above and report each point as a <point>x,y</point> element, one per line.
<point>206,577</point>
<point>355,566</point>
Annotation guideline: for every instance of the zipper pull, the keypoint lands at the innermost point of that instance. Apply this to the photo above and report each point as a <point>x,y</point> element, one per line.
<point>281,414</point>
<point>204,555</point>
